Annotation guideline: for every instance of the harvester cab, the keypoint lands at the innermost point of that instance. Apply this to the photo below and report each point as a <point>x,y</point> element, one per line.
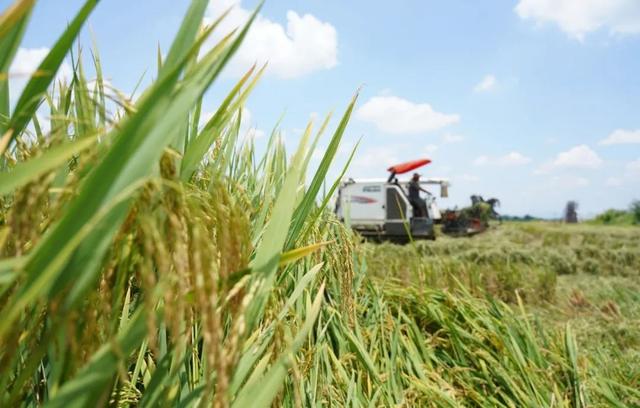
<point>381,209</point>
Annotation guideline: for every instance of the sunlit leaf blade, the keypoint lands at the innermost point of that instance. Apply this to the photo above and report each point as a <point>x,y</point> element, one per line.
<point>32,95</point>
<point>184,39</point>
<point>12,17</point>
<point>299,253</point>
<point>90,384</point>
<point>13,22</point>
<point>305,206</point>
<point>267,255</point>
<point>28,171</point>
<point>261,393</point>
<point>138,144</point>
<point>197,148</point>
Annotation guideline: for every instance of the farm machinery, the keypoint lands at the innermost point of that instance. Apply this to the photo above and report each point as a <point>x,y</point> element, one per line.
<point>470,220</point>
<point>382,209</point>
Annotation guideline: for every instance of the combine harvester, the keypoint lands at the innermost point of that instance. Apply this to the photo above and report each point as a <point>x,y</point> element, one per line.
<point>380,209</point>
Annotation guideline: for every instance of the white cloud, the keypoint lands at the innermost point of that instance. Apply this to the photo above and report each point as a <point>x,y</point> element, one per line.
<point>26,63</point>
<point>450,138</point>
<point>395,115</point>
<point>622,136</point>
<point>375,160</point>
<point>613,182</point>
<point>578,157</point>
<point>513,159</point>
<point>487,84</point>
<point>580,17</point>
<point>634,166</point>
<point>509,159</point>
<point>305,45</point>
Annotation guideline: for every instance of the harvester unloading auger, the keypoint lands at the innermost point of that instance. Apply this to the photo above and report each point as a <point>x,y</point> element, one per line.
<point>382,209</point>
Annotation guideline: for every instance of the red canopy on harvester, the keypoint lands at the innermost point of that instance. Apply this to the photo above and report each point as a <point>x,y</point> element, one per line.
<point>408,166</point>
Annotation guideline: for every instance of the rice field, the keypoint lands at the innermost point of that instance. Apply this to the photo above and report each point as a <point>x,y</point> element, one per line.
<point>150,258</point>
<point>580,276</point>
<point>527,258</point>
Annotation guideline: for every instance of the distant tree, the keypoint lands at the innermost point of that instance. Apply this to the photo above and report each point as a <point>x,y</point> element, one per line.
<point>525,218</point>
<point>571,212</point>
<point>613,216</point>
<point>635,211</point>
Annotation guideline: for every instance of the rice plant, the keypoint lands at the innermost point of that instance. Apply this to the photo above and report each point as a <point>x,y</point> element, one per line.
<point>147,259</point>
<point>527,258</point>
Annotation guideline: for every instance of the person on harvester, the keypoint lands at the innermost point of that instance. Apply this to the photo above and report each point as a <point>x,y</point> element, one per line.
<point>418,204</point>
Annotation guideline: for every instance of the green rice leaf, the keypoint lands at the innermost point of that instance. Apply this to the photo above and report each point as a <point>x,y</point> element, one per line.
<point>265,262</point>
<point>137,147</point>
<point>299,253</point>
<point>197,148</point>
<point>261,393</point>
<point>25,172</point>
<point>91,384</point>
<point>12,26</point>
<point>183,42</point>
<point>32,95</point>
<point>302,211</point>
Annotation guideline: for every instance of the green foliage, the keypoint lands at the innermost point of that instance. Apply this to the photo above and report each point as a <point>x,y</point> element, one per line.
<point>614,217</point>
<point>33,94</point>
<point>515,218</point>
<point>13,23</point>
<point>620,217</point>
<point>584,275</point>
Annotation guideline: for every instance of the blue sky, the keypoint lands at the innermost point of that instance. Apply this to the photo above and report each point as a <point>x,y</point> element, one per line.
<point>533,101</point>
